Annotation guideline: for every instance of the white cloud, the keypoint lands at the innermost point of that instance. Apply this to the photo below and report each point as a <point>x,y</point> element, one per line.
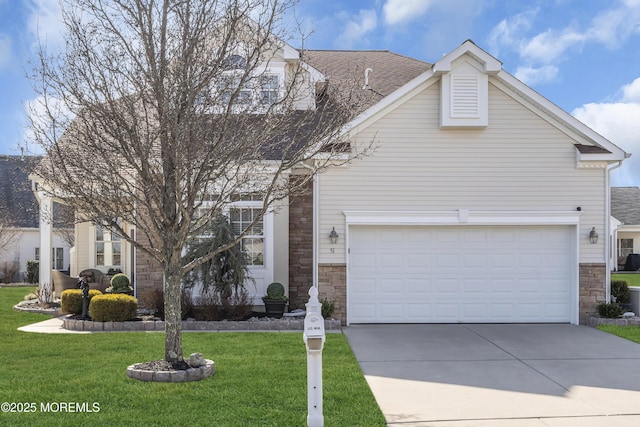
<point>533,75</point>
<point>509,32</point>
<point>548,46</point>
<point>631,92</point>
<point>618,122</point>
<point>610,28</point>
<point>403,11</point>
<point>45,23</point>
<point>356,28</point>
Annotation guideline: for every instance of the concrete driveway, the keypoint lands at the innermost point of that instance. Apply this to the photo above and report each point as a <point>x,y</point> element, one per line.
<point>499,375</point>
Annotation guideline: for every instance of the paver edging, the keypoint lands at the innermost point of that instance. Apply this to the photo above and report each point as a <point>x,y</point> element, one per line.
<point>594,321</point>
<point>195,325</point>
<point>175,376</point>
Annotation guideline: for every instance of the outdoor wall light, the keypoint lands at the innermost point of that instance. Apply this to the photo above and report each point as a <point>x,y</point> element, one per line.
<point>333,236</point>
<point>593,236</point>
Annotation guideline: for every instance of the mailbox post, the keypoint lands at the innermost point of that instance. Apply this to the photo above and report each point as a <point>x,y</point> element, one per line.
<point>314,337</point>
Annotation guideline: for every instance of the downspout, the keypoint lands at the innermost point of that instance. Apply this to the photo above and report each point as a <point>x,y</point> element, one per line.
<point>607,226</point>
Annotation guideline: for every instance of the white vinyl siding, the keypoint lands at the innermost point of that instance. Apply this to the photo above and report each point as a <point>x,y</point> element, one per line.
<point>519,162</point>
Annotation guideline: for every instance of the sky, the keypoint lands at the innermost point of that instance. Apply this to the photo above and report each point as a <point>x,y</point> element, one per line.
<point>582,55</point>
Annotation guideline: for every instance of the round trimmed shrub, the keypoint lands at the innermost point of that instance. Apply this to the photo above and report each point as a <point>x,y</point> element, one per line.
<point>120,282</point>
<point>113,308</point>
<point>275,291</point>
<point>71,300</point>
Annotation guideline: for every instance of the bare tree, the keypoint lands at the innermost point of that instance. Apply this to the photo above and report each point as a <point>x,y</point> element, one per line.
<point>158,114</point>
<point>8,235</point>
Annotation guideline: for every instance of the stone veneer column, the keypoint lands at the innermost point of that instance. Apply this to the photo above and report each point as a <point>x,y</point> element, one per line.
<point>592,288</point>
<point>300,247</point>
<point>148,277</point>
<point>332,285</point>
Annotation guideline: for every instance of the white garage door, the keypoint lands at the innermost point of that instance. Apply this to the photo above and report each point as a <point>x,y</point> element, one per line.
<point>444,274</point>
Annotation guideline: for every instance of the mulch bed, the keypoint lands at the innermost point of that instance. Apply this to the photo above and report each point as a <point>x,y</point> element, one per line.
<point>162,365</point>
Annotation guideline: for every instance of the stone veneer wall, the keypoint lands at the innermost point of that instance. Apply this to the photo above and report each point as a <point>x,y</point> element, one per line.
<point>300,248</point>
<point>592,289</point>
<point>332,284</point>
<point>149,278</point>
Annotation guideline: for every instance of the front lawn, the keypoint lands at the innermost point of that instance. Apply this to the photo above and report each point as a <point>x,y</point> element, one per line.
<point>632,333</point>
<point>260,378</point>
<point>632,279</point>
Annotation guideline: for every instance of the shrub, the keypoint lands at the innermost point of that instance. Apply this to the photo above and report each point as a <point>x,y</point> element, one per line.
<point>33,271</point>
<point>113,308</point>
<point>275,291</point>
<point>119,282</point>
<point>9,270</point>
<point>610,310</point>
<point>238,306</point>
<point>71,300</point>
<point>157,303</point>
<point>328,306</point>
<point>620,290</point>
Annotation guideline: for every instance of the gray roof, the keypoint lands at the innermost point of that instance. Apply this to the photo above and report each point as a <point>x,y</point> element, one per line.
<point>389,70</point>
<point>625,204</point>
<point>18,205</point>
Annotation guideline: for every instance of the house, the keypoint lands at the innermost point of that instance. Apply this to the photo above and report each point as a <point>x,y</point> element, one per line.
<point>20,240</point>
<point>625,212</point>
<point>476,204</point>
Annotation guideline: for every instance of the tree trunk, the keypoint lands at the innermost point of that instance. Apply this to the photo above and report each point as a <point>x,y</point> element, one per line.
<point>172,315</point>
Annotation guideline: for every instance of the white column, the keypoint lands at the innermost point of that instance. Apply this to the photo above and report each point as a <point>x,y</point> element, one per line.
<point>46,239</point>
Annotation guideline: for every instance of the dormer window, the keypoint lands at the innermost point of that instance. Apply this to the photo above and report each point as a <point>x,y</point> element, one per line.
<point>235,62</point>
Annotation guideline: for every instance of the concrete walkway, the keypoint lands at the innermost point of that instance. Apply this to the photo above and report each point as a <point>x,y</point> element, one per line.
<point>499,375</point>
<point>50,326</point>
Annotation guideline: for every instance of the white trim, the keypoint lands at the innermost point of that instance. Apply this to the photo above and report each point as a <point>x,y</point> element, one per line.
<point>462,216</point>
<point>491,65</point>
<point>504,80</point>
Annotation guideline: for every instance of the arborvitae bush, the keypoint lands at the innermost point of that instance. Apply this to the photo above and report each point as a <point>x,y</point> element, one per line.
<point>113,308</point>
<point>620,290</point>
<point>71,300</point>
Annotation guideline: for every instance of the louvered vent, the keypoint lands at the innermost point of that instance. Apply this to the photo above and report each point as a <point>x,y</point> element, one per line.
<point>465,96</point>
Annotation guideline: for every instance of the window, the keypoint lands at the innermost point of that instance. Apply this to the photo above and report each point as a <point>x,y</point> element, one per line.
<point>625,247</point>
<point>252,243</point>
<point>269,89</point>
<point>57,258</point>
<point>230,86</point>
<point>108,248</point>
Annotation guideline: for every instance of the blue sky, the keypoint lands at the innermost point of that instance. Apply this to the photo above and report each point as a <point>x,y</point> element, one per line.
<point>583,55</point>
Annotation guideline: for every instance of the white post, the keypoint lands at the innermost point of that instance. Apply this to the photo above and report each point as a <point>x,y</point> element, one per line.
<point>314,337</point>
<point>46,244</point>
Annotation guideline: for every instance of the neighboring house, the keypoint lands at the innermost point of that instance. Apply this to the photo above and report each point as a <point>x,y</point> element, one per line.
<point>625,210</point>
<point>19,214</point>
<point>475,206</point>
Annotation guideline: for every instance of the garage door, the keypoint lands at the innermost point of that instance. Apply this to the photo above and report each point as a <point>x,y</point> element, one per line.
<point>444,274</point>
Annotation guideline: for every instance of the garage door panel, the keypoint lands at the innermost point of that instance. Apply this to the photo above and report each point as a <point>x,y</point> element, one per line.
<point>460,274</point>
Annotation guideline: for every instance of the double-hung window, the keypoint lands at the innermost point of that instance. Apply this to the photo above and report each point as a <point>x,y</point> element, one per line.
<point>108,248</point>
<point>243,216</point>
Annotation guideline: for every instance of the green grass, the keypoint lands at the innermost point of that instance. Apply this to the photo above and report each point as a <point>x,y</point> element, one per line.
<point>632,333</point>
<point>260,378</point>
<point>632,279</point>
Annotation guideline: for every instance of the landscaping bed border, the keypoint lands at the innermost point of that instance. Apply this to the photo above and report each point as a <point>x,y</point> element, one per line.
<point>196,325</point>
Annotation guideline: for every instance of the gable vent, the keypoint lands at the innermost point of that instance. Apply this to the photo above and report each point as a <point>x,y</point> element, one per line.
<point>465,96</point>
